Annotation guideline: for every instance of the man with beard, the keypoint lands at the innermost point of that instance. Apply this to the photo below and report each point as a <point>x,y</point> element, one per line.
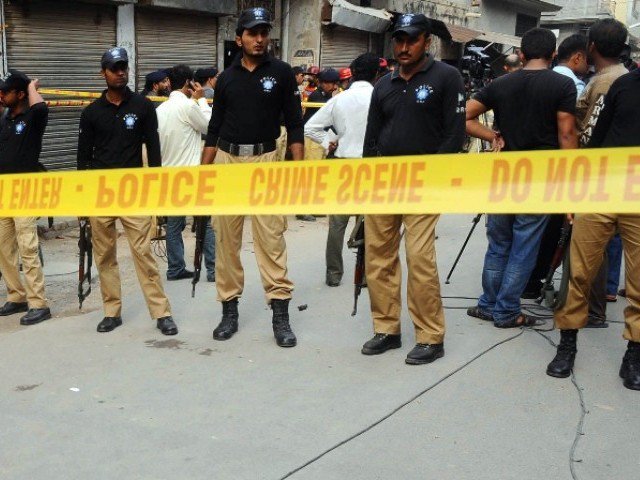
<point>416,110</point>
<point>157,84</point>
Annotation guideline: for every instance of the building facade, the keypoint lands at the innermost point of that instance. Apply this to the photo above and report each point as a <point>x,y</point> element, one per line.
<point>61,43</point>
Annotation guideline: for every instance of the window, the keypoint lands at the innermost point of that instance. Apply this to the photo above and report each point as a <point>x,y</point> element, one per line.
<point>524,23</point>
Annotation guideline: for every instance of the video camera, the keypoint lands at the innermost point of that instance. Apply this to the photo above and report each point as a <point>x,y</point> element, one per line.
<point>475,67</point>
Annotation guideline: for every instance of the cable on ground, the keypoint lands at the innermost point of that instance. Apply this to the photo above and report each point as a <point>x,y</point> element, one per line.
<point>400,407</point>
<point>583,414</point>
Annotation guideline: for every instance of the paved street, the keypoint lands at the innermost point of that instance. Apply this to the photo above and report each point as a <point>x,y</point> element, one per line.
<point>133,404</point>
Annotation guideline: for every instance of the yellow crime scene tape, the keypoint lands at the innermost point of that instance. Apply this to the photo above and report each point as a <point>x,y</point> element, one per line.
<point>580,181</point>
<point>73,93</point>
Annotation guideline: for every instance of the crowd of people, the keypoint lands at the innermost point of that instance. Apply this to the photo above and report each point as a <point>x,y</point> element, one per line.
<point>415,107</point>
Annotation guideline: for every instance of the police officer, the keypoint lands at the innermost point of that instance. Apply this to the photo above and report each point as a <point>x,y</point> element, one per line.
<point>250,97</point>
<point>418,109</point>
<point>112,131</point>
<point>21,132</point>
<point>157,84</point>
<point>617,126</point>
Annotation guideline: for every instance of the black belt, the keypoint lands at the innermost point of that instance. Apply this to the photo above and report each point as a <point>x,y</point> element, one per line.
<point>246,150</point>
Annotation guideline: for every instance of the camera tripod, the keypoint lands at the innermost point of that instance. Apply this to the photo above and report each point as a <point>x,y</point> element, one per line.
<point>474,222</point>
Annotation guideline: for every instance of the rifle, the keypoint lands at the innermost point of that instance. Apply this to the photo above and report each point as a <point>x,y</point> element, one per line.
<point>548,294</point>
<point>85,259</point>
<point>357,241</point>
<point>200,227</point>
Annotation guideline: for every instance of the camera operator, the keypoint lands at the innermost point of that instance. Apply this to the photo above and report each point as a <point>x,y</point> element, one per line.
<point>535,108</point>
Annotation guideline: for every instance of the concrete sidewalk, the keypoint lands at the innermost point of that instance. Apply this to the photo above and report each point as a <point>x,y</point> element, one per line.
<point>134,404</point>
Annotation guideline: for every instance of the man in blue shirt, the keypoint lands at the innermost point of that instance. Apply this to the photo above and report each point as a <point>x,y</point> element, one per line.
<point>572,60</point>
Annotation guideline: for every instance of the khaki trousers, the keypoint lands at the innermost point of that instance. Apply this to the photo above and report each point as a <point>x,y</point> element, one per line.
<point>591,233</point>
<point>313,150</point>
<point>139,232</point>
<point>268,244</point>
<point>281,144</point>
<point>382,242</point>
<point>20,235</point>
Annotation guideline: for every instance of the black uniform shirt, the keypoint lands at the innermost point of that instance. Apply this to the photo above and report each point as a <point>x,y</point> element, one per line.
<point>317,96</point>
<point>619,122</point>
<point>424,115</point>
<point>247,106</point>
<point>21,140</point>
<point>111,136</point>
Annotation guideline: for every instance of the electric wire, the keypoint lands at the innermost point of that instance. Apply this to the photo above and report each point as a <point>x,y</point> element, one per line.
<point>583,415</point>
<point>401,406</point>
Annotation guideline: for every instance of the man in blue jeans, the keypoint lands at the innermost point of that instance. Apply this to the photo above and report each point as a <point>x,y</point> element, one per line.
<point>182,120</point>
<point>175,250</point>
<point>614,254</point>
<point>535,110</point>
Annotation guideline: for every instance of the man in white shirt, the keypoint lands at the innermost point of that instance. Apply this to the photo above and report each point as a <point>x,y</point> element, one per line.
<point>182,120</point>
<point>346,114</point>
<point>572,60</point>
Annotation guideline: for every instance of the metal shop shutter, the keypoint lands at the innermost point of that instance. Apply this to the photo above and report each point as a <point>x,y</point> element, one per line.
<point>339,46</point>
<point>164,39</point>
<point>61,44</point>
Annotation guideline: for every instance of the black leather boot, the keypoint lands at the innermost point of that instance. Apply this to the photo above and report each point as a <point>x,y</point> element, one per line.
<point>281,328</point>
<point>35,315</point>
<point>630,368</point>
<point>561,365</point>
<point>424,353</point>
<point>380,343</point>
<point>10,308</point>
<point>229,323</point>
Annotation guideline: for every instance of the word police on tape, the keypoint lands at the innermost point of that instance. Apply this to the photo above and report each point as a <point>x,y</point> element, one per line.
<point>580,181</point>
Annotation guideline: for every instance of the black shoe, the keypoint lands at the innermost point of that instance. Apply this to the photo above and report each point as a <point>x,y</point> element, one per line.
<point>181,276</point>
<point>380,343</point>
<point>10,308</point>
<point>229,323</point>
<point>561,365</point>
<point>622,292</point>
<point>630,368</point>
<point>424,353</point>
<point>109,323</point>
<point>281,329</point>
<point>211,277</point>
<point>332,283</point>
<point>593,322</point>
<point>306,218</point>
<point>35,315</point>
<point>167,326</point>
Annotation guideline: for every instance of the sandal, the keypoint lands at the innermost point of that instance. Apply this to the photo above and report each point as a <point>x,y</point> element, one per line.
<point>611,298</point>
<point>521,320</point>
<point>477,313</point>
